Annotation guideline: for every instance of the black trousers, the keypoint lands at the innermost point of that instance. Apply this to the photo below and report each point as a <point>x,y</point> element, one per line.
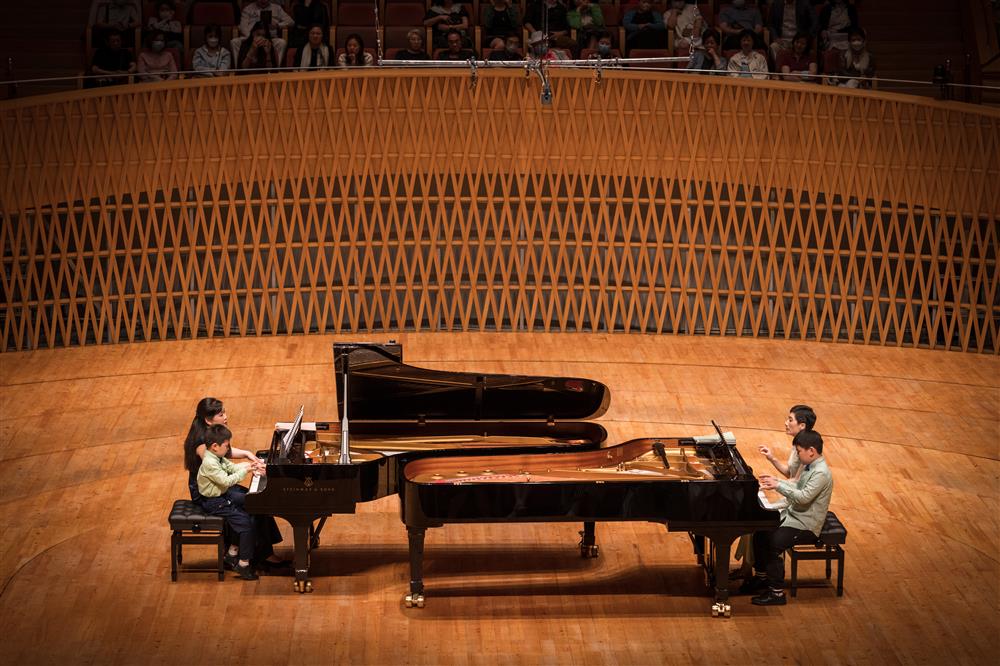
<point>265,527</point>
<point>255,534</point>
<point>768,547</point>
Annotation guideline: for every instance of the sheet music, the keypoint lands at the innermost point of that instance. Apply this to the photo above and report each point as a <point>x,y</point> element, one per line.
<point>307,426</point>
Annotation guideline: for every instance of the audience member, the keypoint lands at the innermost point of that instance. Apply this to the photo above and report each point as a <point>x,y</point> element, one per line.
<point>111,63</point>
<point>257,12</point>
<point>858,63</point>
<point>354,54</point>
<point>601,42</point>
<point>644,27</point>
<point>257,51</point>
<point>797,64</point>
<point>156,63</point>
<point>686,22</point>
<point>747,63</point>
<point>555,12</point>
<point>587,19</point>
<point>539,48</point>
<point>168,24</point>
<point>737,18</point>
<point>835,21</point>
<point>211,58</point>
<point>708,57</point>
<point>789,18</point>
<point>500,18</point>
<point>511,49</point>
<point>415,49</point>
<point>445,16</point>
<point>306,14</point>
<point>314,54</point>
<point>121,15</point>
<point>455,49</point>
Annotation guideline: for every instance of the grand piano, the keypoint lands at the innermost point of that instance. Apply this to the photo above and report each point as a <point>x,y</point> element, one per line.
<point>399,413</point>
<point>697,485</point>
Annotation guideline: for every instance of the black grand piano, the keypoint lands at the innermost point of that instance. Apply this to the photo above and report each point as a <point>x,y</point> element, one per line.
<point>399,413</point>
<point>697,485</point>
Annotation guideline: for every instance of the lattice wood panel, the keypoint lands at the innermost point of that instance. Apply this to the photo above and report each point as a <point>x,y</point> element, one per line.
<point>385,200</point>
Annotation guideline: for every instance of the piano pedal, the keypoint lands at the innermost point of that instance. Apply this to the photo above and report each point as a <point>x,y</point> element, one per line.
<point>303,586</point>
<point>720,609</point>
<point>591,551</point>
<point>412,600</point>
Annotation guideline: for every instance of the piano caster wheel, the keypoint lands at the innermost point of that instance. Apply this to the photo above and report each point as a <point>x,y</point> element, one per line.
<point>590,551</point>
<point>720,609</point>
<point>414,600</point>
<point>302,586</point>
<point>309,586</point>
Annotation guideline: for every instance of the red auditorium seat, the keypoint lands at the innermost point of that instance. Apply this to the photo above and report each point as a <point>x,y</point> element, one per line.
<point>220,13</point>
<point>410,14</point>
<point>357,13</point>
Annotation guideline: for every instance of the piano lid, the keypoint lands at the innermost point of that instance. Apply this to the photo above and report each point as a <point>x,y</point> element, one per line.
<point>383,388</point>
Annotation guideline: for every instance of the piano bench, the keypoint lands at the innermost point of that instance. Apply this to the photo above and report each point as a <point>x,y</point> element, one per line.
<point>827,548</point>
<point>191,525</point>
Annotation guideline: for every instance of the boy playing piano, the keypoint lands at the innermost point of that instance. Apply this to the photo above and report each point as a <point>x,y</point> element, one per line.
<point>216,478</point>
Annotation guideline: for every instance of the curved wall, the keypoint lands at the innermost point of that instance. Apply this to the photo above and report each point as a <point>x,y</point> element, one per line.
<point>409,199</point>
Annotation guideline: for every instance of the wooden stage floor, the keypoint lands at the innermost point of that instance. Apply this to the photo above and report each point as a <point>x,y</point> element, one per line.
<point>91,450</point>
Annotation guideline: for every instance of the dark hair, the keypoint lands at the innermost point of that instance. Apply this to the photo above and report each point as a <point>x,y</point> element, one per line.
<point>805,36</point>
<point>748,33</point>
<point>259,25</point>
<point>857,31</point>
<point>804,414</point>
<point>154,34</point>
<point>454,31</point>
<point>361,50</point>
<point>713,34</point>
<point>809,439</point>
<point>218,433</point>
<point>212,29</point>
<point>207,409</point>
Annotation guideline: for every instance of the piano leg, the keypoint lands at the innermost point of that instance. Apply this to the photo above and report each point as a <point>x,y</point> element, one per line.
<point>721,552</point>
<point>588,541</point>
<point>301,535</point>
<point>416,595</point>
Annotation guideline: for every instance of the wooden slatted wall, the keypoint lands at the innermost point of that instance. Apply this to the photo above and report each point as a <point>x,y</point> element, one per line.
<point>405,199</point>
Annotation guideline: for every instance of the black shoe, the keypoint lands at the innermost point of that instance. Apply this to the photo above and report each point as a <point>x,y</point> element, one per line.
<point>246,573</point>
<point>752,585</point>
<point>230,561</point>
<point>268,565</point>
<point>769,598</point>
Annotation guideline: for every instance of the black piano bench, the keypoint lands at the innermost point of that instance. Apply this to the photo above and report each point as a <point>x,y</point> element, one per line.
<point>827,547</point>
<point>191,525</point>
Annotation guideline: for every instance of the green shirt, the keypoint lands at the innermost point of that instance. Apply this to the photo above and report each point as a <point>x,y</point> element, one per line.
<point>217,475</point>
<point>808,497</point>
<point>793,463</point>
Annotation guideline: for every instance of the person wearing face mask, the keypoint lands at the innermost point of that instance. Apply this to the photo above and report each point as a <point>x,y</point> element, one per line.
<point>587,19</point>
<point>501,18</point>
<point>314,54</point>
<point>121,15</point>
<point>166,22</point>
<point>858,64</point>
<point>789,18</point>
<point>708,57</point>
<point>737,18</point>
<point>211,59</point>
<point>602,46</point>
<point>747,63</point>
<point>835,21</point>
<point>156,63</point>
<point>686,22</point>
<point>644,27</point>
<point>415,49</point>
<point>511,49</point>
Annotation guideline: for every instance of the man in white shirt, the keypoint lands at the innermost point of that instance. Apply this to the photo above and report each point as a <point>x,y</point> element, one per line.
<point>252,14</point>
